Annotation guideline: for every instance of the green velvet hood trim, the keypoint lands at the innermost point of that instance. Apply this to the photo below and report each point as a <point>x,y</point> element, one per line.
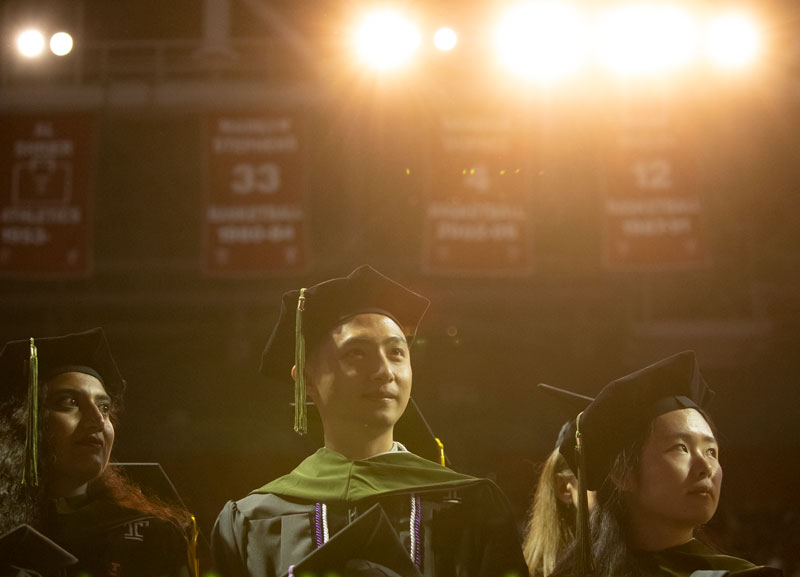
<point>333,478</point>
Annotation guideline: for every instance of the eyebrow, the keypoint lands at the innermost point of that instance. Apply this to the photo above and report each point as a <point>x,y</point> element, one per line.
<point>365,340</point>
<point>690,436</point>
<point>77,392</point>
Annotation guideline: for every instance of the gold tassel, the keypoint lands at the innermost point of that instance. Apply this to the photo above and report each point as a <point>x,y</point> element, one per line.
<point>441,451</point>
<point>300,417</point>
<point>585,560</point>
<point>30,472</point>
<point>194,563</point>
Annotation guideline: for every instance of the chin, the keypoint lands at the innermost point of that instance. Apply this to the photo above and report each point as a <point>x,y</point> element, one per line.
<point>699,518</point>
<point>91,471</point>
<point>381,421</point>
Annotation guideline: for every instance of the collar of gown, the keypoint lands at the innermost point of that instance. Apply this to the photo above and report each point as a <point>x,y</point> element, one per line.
<point>330,477</point>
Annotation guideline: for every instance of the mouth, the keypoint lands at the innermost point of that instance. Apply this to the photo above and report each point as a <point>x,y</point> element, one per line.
<point>380,396</point>
<point>702,492</point>
<point>92,442</point>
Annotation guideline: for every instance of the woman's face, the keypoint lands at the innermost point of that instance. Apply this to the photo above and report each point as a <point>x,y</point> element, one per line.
<point>679,480</point>
<point>568,493</point>
<point>80,431</point>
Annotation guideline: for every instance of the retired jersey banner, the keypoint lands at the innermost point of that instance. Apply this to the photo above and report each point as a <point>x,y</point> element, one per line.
<point>653,213</point>
<point>476,216</point>
<point>45,195</point>
<point>255,216</point>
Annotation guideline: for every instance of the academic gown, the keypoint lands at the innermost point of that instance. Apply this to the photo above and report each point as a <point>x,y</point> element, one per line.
<point>461,526</point>
<point>112,541</point>
<point>683,560</point>
<point>25,552</point>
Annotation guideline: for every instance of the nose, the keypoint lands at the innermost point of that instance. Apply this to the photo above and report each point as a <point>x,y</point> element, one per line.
<point>383,368</point>
<point>93,418</point>
<point>704,465</point>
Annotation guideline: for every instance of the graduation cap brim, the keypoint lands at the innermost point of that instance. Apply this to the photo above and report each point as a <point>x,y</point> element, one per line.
<point>72,352</point>
<point>26,548</point>
<point>152,479</point>
<point>573,404</point>
<point>369,538</point>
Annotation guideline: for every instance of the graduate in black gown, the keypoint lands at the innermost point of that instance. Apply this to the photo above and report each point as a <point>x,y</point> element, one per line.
<point>647,445</point>
<point>59,403</point>
<point>362,504</point>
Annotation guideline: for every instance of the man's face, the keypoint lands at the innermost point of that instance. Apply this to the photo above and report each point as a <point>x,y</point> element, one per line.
<point>680,477</point>
<point>360,374</point>
<point>78,413</point>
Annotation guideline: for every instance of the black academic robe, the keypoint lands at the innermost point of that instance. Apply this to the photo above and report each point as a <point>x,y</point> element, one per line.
<point>111,541</point>
<point>683,560</point>
<point>25,552</point>
<point>464,525</point>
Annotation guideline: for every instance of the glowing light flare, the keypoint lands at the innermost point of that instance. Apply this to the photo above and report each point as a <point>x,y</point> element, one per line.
<point>541,41</point>
<point>734,41</point>
<point>646,39</point>
<point>60,43</point>
<point>30,43</point>
<point>386,39</point>
<point>445,39</point>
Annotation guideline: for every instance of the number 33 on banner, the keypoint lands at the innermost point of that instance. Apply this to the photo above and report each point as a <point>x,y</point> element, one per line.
<point>247,178</point>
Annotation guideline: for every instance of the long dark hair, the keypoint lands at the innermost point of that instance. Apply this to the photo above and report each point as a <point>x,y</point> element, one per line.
<point>608,521</point>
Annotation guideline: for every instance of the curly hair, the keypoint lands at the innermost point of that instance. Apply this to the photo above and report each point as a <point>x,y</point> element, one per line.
<point>19,504</point>
<point>115,486</point>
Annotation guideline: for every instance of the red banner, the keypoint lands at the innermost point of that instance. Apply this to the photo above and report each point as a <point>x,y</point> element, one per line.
<point>653,212</point>
<point>476,218</point>
<point>255,216</point>
<point>45,195</point>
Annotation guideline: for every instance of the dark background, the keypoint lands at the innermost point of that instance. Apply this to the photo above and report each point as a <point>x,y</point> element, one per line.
<point>189,344</point>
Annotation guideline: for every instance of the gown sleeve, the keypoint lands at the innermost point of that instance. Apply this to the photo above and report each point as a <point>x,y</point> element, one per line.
<point>228,543</point>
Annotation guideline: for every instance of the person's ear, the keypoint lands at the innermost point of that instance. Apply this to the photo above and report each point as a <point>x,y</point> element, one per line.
<point>565,488</point>
<point>310,390</point>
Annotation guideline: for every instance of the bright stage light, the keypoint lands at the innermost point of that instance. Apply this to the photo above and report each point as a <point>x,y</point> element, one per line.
<point>646,39</point>
<point>733,41</point>
<point>445,39</point>
<point>30,43</point>
<point>386,39</point>
<point>541,41</point>
<point>60,43</point>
